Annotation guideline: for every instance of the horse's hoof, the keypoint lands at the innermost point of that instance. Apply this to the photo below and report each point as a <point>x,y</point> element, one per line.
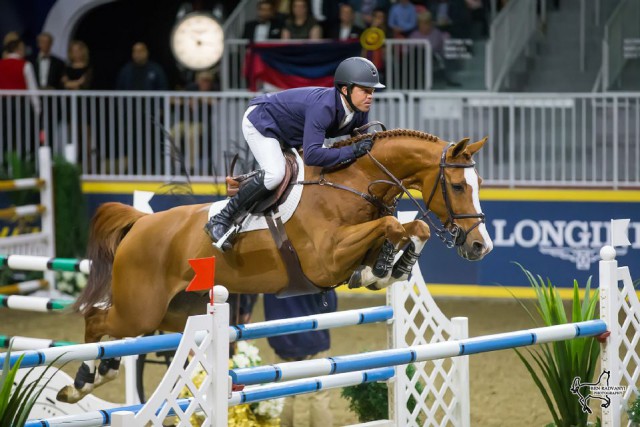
<point>355,281</point>
<point>69,394</point>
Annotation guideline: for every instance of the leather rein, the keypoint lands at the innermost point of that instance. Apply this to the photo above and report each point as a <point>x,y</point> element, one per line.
<point>450,232</point>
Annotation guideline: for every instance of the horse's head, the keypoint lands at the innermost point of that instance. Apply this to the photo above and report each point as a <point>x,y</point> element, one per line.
<point>453,197</point>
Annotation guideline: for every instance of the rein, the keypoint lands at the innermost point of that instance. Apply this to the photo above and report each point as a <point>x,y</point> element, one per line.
<point>450,232</point>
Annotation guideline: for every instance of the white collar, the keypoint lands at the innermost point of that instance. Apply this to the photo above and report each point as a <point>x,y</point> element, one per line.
<point>347,112</point>
<point>13,56</point>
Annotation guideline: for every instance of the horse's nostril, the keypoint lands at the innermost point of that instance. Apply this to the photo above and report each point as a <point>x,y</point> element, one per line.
<point>478,247</point>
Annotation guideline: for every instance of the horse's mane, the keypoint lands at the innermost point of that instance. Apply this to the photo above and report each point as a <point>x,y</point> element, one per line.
<point>388,134</point>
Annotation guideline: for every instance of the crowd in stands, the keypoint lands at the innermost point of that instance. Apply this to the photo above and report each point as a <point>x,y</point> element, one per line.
<point>432,20</point>
<point>23,67</point>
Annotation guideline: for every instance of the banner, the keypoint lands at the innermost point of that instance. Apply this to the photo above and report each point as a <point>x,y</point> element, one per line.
<point>292,65</point>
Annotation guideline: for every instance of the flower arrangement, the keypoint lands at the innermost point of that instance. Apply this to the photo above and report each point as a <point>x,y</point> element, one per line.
<point>70,282</point>
<point>261,414</point>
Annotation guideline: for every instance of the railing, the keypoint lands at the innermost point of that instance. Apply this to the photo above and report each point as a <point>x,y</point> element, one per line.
<point>541,139</point>
<point>623,24</point>
<point>579,140</point>
<point>407,64</point>
<point>121,135</point>
<point>510,34</point>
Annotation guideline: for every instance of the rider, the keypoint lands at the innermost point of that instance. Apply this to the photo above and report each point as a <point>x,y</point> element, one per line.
<point>301,117</point>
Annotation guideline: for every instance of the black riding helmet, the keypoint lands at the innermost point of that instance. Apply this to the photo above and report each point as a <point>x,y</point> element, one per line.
<point>356,71</point>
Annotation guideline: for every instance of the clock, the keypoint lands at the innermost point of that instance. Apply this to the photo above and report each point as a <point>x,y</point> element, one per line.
<point>197,41</point>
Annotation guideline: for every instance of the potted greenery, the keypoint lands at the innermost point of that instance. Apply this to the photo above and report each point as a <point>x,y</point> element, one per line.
<point>369,401</point>
<point>560,362</point>
<point>634,413</point>
<point>17,400</point>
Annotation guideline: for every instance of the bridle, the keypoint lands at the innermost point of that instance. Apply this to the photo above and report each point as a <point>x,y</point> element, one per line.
<point>450,232</point>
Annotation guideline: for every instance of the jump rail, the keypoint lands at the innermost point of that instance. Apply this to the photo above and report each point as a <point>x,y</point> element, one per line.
<point>158,343</point>
<point>43,242</point>
<point>42,263</point>
<point>22,302</point>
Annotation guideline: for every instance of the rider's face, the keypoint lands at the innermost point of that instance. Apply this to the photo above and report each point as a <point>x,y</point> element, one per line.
<point>362,97</point>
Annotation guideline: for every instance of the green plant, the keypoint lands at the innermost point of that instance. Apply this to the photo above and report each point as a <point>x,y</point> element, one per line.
<point>16,401</point>
<point>560,362</point>
<point>71,220</point>
<point>369,401</point>
<point>634,412</point>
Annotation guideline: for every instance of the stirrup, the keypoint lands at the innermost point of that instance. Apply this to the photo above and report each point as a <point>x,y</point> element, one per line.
<point>221,241</point>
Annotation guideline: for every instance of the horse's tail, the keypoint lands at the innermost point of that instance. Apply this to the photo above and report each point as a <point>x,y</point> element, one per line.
<point>109,225</point>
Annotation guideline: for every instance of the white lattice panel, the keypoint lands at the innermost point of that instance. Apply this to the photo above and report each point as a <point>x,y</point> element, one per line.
<point>437,394</point>
<point>629,318</point>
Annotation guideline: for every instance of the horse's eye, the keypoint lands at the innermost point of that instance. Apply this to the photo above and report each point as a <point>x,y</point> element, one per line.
<point>457,187</point>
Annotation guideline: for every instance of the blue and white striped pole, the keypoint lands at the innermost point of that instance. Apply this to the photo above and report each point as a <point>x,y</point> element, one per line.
<point>167,342</point>
<point>253,394</point>
<point>340,364</point>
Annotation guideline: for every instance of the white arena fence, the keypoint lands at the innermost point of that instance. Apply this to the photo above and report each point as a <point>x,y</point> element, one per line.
<point>578,140</point>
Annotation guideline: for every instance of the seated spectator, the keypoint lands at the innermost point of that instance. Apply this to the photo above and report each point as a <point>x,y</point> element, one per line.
<point>379,20</point>
<point>141,73</point>
<point>301,24</point>
<point>402,18</point>
<point>267,26</point>
<point>346,30</point>
<point>364,10</point>
<point>49,68</point>
<point>436,38</point>
<point>77,74</point>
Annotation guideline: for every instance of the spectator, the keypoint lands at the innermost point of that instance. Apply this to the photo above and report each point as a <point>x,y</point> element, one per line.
<point>49,69</point>
<point>16,73</point>
<point>346,30</point>
<point>379,20</point>
<point>364,10</point>
<point>436,38</point>
<point>193,115</point>
<point>141,73</point>
<point>305,409</point>
<point>77,76</point>
<point>9,37</point>
<point>402,18</point>
<point>267,26</point>
<point>301,24</point>
<point>78,73</point>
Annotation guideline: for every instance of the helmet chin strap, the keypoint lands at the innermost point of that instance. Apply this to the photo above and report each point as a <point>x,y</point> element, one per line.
<point>349,101</point>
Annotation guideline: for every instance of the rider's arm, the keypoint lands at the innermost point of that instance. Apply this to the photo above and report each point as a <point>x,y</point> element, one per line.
<point>316,123</point>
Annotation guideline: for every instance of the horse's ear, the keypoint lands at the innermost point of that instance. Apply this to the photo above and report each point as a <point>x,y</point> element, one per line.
<point>476,146</point>
<point>459,147</point>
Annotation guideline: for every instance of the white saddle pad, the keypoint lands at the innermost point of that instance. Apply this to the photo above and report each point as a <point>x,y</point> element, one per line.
<point>286,210</point>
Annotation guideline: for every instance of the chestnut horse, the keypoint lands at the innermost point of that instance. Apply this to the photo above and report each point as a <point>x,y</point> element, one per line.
<point>139,261</point>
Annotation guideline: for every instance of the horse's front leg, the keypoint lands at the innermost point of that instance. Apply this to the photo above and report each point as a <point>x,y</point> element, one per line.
<point>354,242</point>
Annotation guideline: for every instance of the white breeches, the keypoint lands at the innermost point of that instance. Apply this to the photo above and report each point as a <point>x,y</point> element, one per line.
<point>266,151</point>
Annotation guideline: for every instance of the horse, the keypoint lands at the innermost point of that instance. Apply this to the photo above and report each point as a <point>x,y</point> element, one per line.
<point>343,230</point>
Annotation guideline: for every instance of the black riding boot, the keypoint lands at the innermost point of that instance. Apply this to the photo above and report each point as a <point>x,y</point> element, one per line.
<point>250,193</point>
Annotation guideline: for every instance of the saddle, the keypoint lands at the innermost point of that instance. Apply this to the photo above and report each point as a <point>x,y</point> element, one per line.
<point>279,195</point>
<point>298,284</point>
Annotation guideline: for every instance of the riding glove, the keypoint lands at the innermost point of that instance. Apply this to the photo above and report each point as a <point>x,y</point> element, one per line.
<point>361,147</point>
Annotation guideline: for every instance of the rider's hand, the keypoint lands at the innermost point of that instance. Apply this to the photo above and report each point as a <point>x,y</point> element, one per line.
<point>361,147</point>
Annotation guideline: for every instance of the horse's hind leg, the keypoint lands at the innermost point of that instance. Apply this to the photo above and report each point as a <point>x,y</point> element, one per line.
<point>87,378</point>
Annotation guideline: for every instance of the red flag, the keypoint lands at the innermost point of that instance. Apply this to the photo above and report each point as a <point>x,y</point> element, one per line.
<point>205,271</point>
